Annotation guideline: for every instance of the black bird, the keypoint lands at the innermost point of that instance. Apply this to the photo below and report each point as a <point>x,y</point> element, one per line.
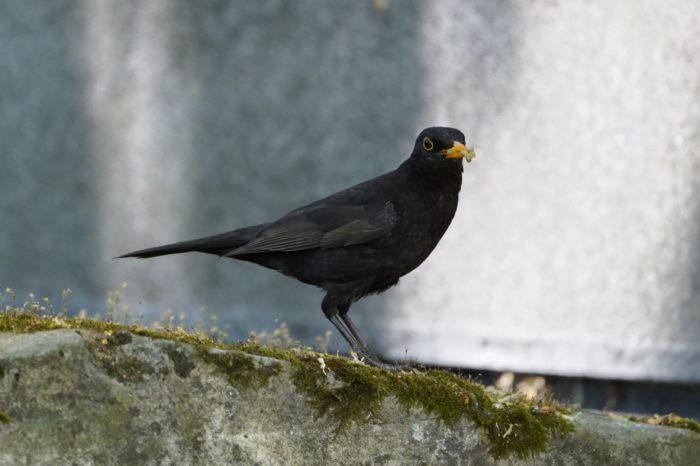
<point>358,241</point>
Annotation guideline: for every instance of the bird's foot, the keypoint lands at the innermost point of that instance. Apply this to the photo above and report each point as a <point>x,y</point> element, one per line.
<point>374,361</point>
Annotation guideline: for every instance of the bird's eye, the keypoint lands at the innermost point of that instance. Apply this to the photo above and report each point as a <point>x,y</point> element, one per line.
<point>428,144</point>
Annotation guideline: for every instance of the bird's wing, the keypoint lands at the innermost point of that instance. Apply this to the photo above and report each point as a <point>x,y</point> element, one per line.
<point>323,225</point>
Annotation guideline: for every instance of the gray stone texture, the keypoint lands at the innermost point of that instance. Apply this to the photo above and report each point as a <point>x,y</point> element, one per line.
<point>575,249</point>
<point>73,400</point>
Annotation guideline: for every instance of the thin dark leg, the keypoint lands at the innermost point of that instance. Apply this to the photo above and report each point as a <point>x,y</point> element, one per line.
<point>356,334</point>
<point>336,311</point>
<point>330,309</point>
<point>345,332</point>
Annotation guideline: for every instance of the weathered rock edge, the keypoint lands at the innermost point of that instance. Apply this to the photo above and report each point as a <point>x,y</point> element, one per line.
<point>74,396</point>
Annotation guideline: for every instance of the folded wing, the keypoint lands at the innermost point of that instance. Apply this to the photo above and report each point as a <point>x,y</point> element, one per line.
<point>323,225</point>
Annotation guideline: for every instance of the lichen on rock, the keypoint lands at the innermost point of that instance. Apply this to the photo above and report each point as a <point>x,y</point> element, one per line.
<point>4,418</point>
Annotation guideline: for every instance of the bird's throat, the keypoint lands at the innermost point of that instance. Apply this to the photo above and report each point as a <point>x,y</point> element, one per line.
<point>446,173</point>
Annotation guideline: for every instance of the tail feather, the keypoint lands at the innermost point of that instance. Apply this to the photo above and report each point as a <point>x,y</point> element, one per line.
<point>217,244</point>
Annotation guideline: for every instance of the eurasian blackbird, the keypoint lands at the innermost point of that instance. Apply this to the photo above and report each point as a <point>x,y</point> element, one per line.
<point>358,241</point>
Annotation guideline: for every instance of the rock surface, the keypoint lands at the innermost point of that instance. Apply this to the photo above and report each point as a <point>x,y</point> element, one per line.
<point>81,397</point>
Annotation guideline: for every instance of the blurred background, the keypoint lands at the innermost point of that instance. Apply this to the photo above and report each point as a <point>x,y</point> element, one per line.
<point>575,252</point>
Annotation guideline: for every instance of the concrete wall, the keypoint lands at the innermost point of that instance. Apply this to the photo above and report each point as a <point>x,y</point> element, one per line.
<point>576,249</point>
<point>128,124</point>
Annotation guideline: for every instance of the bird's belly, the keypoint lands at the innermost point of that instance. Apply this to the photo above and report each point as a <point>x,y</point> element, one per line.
<point>362,266</point>
<point>369,267</point>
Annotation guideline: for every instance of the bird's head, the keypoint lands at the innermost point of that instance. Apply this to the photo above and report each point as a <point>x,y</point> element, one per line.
<point>441,143</point>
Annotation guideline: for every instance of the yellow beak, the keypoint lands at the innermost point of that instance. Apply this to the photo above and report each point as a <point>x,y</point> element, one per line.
<point>458,151</point>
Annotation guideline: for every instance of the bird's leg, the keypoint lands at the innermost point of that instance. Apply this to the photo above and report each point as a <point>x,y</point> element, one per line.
<point>345,332</point>
<point>355,332</point>
<point>369,355</point>
<point>357,343</point>
<point>331,311</point>
<point>337,312</point>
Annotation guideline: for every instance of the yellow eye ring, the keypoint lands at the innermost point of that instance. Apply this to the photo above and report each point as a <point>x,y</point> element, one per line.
<point>428,144</point>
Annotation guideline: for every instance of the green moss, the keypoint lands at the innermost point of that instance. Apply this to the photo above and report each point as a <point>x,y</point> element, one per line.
<point>670,420</point>
<point>513,424</point>
<point>240,370</point>
<point>353,393</point>
<point>122,367</point>
<point>4,418</point>
<point>346,391</point>
<point>126,368</point>
<point>16,321</point>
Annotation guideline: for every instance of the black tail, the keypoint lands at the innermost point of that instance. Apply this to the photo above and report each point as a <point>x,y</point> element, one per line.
<point>217,244</point>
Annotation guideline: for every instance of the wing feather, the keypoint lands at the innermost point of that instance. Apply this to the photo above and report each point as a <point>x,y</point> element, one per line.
<point>323,225</point>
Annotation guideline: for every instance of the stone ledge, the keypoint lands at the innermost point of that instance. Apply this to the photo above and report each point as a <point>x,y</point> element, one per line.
<point>83,396</point>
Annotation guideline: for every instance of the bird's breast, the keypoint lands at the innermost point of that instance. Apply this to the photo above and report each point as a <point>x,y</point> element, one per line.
<point>420,228</point>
